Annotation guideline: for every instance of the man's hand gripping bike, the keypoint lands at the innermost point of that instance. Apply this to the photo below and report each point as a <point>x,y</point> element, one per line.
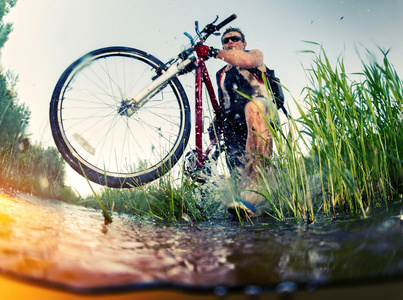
<point>122,117</point>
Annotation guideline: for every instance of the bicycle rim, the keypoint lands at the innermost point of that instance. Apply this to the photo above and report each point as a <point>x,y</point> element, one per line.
<point>112,148</point>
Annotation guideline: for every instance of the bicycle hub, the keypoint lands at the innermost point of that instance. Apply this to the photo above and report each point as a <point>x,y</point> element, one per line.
<point>128,107</point>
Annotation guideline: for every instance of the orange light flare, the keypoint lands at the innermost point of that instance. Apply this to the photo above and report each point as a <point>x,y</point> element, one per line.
<point>42,254</point>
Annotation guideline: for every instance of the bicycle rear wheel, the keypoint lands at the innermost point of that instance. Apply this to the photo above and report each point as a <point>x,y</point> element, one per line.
<point>96,137</point>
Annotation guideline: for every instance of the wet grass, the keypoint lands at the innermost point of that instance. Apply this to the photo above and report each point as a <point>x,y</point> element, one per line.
<point>344,153</point>
<point>166,199</point>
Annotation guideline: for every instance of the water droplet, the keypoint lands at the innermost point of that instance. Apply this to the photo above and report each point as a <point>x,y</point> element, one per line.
<point>253,290</point>
<point>220,291</point>
<point>287,287</point>
<point>386,226</point>
<point>313,285</point>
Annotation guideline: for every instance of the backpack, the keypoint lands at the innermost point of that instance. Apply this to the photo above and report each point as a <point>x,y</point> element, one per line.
<point>275,87</point>
<point>274,83</point>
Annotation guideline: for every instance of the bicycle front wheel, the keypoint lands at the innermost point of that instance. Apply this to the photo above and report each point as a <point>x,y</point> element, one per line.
<point>95,135</point>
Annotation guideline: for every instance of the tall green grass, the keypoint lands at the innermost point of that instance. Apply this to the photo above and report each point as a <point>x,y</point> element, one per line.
<point>169,198</point>
<point>345,151</point>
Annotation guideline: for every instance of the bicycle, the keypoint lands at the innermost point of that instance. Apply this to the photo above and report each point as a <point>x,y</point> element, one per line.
<point>121,117</point>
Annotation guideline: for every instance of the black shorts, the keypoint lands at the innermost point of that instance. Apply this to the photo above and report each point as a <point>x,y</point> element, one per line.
<point>235,133</point>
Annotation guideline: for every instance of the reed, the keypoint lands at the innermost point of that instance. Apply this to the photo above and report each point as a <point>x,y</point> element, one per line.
<point>169,198</point>
<point>345,151</point>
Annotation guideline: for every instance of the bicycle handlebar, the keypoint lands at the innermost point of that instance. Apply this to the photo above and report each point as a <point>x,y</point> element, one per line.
<point>210,28</point>
<point>226,21</point>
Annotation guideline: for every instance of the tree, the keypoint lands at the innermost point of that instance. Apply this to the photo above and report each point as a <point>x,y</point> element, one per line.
<point>13,116</point>
<point>5,28</point>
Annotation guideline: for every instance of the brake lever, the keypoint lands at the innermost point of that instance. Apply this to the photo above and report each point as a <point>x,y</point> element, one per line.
<point>197,29</point>
<point>216,18</point>
<point>211,28</point>
<point>192,41</point>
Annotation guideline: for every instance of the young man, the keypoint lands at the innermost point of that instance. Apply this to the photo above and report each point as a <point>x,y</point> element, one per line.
<point>246,132</point>
<point>245,128</point>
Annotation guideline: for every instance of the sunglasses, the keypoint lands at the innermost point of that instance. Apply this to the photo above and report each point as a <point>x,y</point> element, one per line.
<point>233,38</point>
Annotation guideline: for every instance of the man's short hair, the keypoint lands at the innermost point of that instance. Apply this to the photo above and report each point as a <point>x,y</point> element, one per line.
<point>232,29</point>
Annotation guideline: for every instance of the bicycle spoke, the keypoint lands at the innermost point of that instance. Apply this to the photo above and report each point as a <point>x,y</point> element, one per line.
<point>98,133</point>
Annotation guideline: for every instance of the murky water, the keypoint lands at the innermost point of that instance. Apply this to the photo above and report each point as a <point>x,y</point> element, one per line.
<point>71,247</point>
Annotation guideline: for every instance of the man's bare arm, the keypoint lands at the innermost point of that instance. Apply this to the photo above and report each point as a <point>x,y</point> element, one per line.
<point>242,59</point>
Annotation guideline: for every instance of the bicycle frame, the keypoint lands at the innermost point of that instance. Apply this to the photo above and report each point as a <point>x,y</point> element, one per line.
<point>202,75</point>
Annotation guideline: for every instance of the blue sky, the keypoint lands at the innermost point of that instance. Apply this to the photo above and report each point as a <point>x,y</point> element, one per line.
<point>50,34</point>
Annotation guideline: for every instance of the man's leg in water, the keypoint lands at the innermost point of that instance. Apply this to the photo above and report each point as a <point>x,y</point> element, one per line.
<point>259,140</point>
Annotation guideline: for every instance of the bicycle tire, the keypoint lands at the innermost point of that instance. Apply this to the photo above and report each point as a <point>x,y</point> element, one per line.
<point>99,141</point>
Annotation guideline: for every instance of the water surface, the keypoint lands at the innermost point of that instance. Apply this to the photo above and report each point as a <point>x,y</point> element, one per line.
<point>70,247</point>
